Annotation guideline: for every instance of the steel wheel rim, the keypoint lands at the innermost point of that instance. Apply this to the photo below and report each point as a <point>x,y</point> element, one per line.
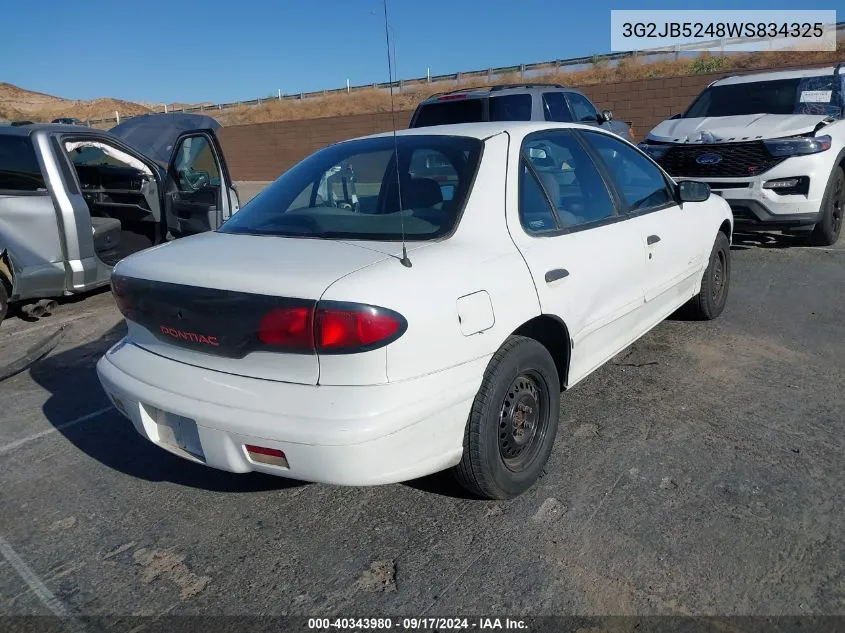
<point>836,210</point>
<point>523,421</point>
<point>719,276</point>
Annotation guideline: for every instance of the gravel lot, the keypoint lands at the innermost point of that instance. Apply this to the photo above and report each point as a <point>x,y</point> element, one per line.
<point>700,472</point>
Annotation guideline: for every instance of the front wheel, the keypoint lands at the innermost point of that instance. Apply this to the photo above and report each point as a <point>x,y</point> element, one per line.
<point>711,299</point>
<point>827,229</point>
<point>513,422</point>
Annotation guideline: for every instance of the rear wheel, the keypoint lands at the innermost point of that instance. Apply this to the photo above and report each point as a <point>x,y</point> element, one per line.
<point>711,299</point>
<point>513,422</point>
<point>829,226</point>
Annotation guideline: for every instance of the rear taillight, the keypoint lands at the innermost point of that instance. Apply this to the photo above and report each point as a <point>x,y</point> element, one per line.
<point>331,328</point>
<point>451,97</point>
<point>290,327</point>
<point>120,297</point>
<point>356,327</point>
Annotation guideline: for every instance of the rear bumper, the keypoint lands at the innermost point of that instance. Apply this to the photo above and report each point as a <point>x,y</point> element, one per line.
<point>340,435</point>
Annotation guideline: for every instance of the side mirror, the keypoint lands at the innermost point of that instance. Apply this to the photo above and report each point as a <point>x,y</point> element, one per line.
<point>606,116</point>
<point>693,191</point>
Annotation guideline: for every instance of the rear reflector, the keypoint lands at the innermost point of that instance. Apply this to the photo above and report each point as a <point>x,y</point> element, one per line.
<point>264,455</point>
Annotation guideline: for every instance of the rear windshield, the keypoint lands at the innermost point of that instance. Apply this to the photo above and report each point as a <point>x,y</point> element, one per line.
<point>449,112</point>
<point>800,95</point>
<point>19,170</point>
<point>351,191</point>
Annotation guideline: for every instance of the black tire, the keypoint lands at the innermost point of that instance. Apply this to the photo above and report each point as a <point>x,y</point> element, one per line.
<point>4,301</point>
<point>513,422</point>
<point>829,226</point>
<point>711,299</point>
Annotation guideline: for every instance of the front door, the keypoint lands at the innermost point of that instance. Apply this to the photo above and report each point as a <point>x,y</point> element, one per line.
<point>586,259</point>
<point>199,195</point>
<point>673,268</point>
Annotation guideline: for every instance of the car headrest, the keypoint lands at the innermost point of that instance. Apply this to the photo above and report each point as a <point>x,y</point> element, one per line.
<point>421,193</point>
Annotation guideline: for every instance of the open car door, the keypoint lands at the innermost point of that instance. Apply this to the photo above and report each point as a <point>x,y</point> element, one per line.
<point>199,194</point>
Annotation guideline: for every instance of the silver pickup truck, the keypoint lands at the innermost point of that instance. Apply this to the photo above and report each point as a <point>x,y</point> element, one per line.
<point>76,200</point>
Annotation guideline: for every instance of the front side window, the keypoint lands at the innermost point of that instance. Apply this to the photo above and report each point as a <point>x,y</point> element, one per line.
<point>195,165</point>
<point>583,110</point>
<point>569,178</point>
<point>510,108</point>
<point>358,190</point>
<point>799,95</point>
<point>555,108</point>
<point>640,181</point>
<point>19,169</point>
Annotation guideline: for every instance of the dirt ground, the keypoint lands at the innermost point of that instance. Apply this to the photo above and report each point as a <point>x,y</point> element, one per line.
<point>699,472</point>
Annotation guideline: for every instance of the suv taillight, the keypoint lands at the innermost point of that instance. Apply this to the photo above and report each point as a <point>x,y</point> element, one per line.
<point>331,328</point>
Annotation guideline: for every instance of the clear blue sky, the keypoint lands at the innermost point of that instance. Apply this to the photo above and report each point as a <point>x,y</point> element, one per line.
<point>225,50</point>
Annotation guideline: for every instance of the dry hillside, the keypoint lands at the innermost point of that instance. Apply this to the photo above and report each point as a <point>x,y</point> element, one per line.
<point>374,100</point>
<point>17,103</point>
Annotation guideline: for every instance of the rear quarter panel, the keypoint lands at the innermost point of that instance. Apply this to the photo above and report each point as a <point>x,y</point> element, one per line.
<point>479,256</point>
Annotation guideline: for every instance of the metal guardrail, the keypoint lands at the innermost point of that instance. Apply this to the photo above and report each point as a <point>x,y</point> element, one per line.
<point>489,73</point>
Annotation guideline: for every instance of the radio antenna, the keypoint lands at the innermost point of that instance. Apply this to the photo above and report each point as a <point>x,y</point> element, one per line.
<point>404,261</point>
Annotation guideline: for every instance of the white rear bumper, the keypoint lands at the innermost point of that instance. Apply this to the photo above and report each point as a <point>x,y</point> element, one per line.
<point>359,435</point>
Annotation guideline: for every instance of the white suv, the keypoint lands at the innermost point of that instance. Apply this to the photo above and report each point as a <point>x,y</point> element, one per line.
<point>772,144</point>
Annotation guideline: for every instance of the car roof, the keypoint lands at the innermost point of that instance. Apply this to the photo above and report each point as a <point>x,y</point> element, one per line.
<point>781,74</point>
<point>26,130</point>
<point>505,89</point>
<point>484,130</point>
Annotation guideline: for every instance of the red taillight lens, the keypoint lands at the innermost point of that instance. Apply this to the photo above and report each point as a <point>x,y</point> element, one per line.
<point>331,328</point>
<point>337,329</point>
<point>289,327</point>
<point>120,297</point>
<point>451,97</point>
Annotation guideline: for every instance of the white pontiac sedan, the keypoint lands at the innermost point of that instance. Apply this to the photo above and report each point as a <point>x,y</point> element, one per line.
<point>298,340</point>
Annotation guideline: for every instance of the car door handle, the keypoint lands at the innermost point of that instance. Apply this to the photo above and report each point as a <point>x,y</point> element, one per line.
<point>652,239</point>
<point>555,274</point>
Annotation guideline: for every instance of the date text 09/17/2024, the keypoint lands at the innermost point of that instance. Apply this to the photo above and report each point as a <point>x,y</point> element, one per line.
<point>415,624</point>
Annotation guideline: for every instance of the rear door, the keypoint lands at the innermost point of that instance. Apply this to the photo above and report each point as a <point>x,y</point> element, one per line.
<point>587,259</point>
<point>199,195</point>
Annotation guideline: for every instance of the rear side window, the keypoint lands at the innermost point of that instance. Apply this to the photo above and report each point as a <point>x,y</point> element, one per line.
<point>570,179</point>
<point>583,110</point>
<point>535,212</point>
<point>510,108</point>
<point>358,190</point>
<point>19,169</point>
<point>555,108</point>
<point>448,112</point>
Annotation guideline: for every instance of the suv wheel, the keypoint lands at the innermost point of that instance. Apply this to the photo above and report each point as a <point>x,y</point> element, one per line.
<point>711,300</point>
<point>827,229</point>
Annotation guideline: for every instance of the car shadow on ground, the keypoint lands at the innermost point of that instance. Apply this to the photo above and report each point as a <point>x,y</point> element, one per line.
<point>745,241</point>
<point>443,484</point>
<point>71,379</point>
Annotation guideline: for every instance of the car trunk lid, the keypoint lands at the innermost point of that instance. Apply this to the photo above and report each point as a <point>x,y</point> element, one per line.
<point>201,300</point>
